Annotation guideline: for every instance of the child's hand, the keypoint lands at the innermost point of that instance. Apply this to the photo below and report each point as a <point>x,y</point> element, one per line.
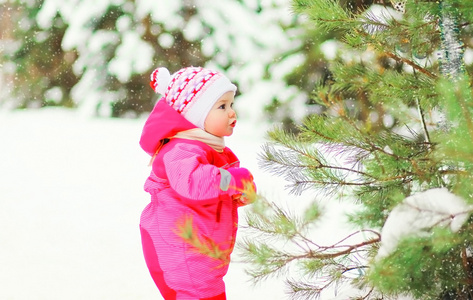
<point>242,186</point>
<point>239,177</point>
<point>244,199</point>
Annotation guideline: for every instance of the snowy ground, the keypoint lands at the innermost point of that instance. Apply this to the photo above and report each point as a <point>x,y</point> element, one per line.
<point>71,196</point>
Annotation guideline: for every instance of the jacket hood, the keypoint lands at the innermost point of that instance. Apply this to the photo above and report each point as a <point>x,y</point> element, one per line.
<point>163,122</point>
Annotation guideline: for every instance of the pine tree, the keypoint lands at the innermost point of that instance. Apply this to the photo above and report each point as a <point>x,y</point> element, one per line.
<point>33,62</point>
<point>395,137</point>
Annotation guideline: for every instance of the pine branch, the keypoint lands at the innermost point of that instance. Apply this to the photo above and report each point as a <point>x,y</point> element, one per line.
<point>467,265</point>
<point>266,261</point>
<point>422,120</point>
<point>326,13</point>
<point>288,161</point>
<point>349,249</point>
<point>383,48</point>
<point>302,290</point>
<point>280,242</point>
<point>467,117</point>
<point>203,245</point>
<point>271,262</point>
<point>305,167</point>
<point>353,234</point>
<point>410,63</point>
<point>369,23</point>
<point>320,252</point>
<point>320,164</point>
<point>367,147</point>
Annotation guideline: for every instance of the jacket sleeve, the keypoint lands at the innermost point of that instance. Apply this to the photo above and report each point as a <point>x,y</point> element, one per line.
<point>191,175</point>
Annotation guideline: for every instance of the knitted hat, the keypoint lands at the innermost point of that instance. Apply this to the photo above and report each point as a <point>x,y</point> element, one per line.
<point>191,91</point>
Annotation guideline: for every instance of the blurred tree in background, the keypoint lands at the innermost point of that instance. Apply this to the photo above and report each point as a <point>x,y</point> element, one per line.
<point>97,55</point>
<point>393,140</point>
<point>90,54</point>
<point>36,65</point>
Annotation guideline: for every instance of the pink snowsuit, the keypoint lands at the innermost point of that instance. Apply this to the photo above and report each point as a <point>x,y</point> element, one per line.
<point>184,181</point>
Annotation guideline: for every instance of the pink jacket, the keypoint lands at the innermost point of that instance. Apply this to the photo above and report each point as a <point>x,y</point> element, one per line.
<point>185,181</point>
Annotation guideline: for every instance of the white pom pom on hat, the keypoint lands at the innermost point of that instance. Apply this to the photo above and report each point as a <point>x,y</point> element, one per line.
<point>160,79</point>
<point>191,91</point>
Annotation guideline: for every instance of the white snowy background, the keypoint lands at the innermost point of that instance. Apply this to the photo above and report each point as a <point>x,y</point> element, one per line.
<point>71,196</point>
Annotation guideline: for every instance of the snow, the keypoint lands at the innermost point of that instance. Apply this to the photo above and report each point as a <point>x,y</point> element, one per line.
<point>420,212</point>
<point>54,94</point>
<point>162,11</point>
<point>468,56</point>
<point>133,56</point>
<point>380,14</point>
<point>329,48</point>
<point>72,194</point>
<point>166,40</point>
<point>244,53</point>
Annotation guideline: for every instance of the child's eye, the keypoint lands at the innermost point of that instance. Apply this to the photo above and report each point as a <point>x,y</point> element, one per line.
<point>222,106</point>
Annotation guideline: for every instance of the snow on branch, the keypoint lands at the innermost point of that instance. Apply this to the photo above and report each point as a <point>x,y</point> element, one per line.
<point>419,213</point>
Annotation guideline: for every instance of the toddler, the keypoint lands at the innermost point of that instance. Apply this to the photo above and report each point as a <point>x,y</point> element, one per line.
<point>193,176</point>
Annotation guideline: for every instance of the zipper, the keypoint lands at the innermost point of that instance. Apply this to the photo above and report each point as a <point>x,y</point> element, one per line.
<point>219,209</point>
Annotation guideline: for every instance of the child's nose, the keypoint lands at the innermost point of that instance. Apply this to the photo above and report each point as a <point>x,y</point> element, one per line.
<point>232,113</point>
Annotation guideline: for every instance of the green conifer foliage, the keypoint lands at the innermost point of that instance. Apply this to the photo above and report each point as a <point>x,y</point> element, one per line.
<point>394,124</point>
<point>40,64</point>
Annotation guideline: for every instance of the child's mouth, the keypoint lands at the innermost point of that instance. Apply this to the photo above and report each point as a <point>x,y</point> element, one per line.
<point>233,124</point>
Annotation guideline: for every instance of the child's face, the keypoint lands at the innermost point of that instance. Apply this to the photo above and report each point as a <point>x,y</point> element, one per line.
<point>222,118</point>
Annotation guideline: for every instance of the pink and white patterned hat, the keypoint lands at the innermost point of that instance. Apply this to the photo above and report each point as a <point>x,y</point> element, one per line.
<point>191,91</point>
